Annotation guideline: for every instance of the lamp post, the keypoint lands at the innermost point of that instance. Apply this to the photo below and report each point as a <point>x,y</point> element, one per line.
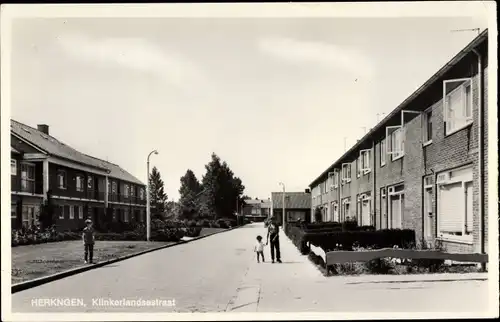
<point>148,210</point>
<point>284,217</point>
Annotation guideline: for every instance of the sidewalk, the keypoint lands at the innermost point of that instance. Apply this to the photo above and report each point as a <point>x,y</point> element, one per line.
<point>297,285</point>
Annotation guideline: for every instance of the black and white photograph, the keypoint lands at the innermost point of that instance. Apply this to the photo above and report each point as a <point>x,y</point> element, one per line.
<point>249,161</point>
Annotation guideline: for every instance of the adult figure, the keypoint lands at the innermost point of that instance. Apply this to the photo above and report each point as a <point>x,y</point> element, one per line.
<point>273,234</point>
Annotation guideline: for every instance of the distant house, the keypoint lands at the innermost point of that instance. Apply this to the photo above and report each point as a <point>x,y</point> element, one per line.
<point>256,209</point>
<point>297,206</point>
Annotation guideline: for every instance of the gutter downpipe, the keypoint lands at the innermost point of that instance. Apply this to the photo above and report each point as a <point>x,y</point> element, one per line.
<point>480,151</point>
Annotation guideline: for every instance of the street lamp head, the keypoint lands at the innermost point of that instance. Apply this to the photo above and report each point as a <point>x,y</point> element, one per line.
<point>155,152</point>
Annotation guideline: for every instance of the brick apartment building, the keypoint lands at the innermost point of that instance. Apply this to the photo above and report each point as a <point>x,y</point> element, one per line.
<point>79,186</point>
<point>424,166</point>
<point>256,209</point>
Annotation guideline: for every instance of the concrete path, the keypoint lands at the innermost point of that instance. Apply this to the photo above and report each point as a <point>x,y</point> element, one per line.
<point>220,273</point>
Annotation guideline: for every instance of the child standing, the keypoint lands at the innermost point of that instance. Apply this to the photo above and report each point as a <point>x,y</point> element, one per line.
<point>259,249</point>
<point>88,241</point>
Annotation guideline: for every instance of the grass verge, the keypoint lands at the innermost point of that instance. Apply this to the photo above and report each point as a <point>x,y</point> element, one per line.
<point>35,261</point>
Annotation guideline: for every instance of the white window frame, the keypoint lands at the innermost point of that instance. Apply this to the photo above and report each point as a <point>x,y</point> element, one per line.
<point>464,179</point>
<point>71,212</point>
<point>61,211</point>
<point>397,139</point>
<point>358,167</point>
<point>126,190</point>
<point>400,195</point>
<point>463,120</point>
<point>365,156</point>
<point>426,119</point>
<point>61,179</point>
<point>27,178</point>
<point>90,183</point>
<point>383,151</point>
<point>141,193</point>
<point>29,217</point>
<point>79,182</point>
<point>13,210</point>
<point>13,167</point>
<point>132,193</point>
<point>80,212</point>
<point>346,173</point>
<point>345,202</point>
<point>114,187</point>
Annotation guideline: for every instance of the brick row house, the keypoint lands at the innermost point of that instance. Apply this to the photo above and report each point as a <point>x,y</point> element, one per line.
<point>45,171</point>
<point>424,166</point>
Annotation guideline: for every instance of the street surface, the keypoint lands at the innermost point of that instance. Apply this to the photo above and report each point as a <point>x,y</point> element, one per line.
<point>220,273</point>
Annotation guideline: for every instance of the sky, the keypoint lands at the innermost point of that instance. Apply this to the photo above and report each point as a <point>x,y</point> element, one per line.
<point>273,97</point>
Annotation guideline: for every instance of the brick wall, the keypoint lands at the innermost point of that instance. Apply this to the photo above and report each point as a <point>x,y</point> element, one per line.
<point>413,164</point>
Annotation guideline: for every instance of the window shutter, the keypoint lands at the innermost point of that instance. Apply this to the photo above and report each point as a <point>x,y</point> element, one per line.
<point>451,208</point>
<point>468,208</point>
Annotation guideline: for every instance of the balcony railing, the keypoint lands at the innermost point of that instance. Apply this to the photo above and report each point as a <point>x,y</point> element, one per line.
<point>126,199</point>
<point>27,186</point>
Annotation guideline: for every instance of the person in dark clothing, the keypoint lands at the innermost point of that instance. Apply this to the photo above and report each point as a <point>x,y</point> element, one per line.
<point>273,234</point>
<point>88,241</point>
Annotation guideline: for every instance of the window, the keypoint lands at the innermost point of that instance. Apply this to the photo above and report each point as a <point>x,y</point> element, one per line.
<point>346,172</point>
<point>27,177</point>
<point>428,211</point>
<point>383,152</point>
<point>61,212</point>
<point>358,167</point>
<point>454,204</point>
<point>365,161</point>
<point>345,209</point>
<point>457,105</point>
<point>61,179</point>
<point>383,209</point>
<point>13,167</point>
<point>80,212</point>
<point>126,215</point>
<point>79,183</point>
<point>427,128</point>
<point>13,211</point>
<point>113,187</point>
<point>126,190</point>
<point>141,193</point>
<point>90,183</point>
<point>29,216</point>
<point>396,146</point>
<point>255,211</point>
<point>72,211</point>
<point>132,191</point>
<point>396,207</point>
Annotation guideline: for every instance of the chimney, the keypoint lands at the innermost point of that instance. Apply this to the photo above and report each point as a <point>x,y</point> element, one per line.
<point>308,191</point>
<point>44,128</point>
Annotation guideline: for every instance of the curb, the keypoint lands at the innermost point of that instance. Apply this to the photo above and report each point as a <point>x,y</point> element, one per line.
<point>54,277</point>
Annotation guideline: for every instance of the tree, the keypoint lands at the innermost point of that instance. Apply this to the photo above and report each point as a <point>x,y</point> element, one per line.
<point>189,191</point>
<point>157,194</point>
<point>222,190</point>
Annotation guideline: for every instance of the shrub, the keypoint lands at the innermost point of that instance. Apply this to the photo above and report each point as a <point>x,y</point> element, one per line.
<point>222,223</point>
<point>349,239</point>
<point>191,223</point>
<point>203,223</point>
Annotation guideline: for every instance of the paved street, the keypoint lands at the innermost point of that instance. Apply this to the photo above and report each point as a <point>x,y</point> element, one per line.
<point>220,273</point>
